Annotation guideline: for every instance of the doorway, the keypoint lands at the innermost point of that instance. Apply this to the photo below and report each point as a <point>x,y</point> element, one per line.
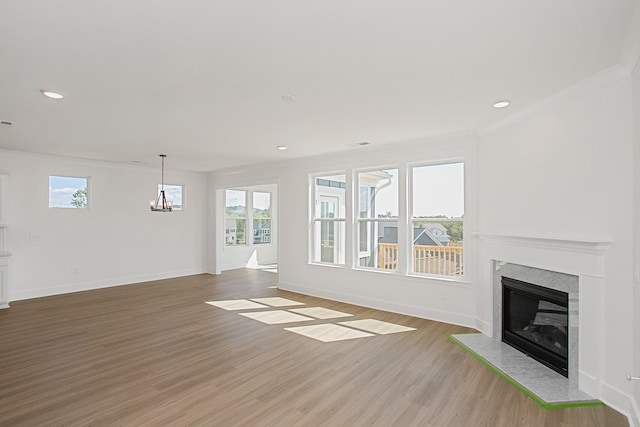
<point>247,231</point>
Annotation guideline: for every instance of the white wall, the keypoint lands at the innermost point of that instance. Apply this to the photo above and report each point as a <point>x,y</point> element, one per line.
<point>567,171</point>
<point>436,299</point>
<point>118,240</point>
<point>636,240</point>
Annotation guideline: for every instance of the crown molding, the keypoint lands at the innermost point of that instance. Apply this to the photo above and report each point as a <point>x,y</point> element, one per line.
<point>93,162</point>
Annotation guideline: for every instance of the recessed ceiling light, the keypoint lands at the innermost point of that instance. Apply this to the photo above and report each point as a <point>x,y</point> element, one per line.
<point>501,104</point>
<point>363,143</point>
<point>288,97</point>
<point>282,147</point>
<point>6,123</point>
<point>50,94</point>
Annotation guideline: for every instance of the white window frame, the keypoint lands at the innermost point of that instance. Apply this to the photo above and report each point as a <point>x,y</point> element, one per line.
<point>247,203</point>
<point>412,218</point>
<point>253,218</point>
<point>405,219</point>
<point>375,220</point>
<point>341,231</point>
<point>367,252</point>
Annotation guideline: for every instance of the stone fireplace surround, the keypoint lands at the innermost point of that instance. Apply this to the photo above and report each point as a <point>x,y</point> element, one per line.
<point>576,266</point>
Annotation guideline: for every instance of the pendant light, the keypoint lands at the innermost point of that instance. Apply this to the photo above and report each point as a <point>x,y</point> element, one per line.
<point>161,204</point>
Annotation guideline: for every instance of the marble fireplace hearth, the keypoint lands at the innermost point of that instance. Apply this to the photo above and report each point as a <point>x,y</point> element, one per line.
<point>547,385</point>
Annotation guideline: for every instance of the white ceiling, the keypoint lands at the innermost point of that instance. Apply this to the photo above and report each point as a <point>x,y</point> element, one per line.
<point>202,80</point>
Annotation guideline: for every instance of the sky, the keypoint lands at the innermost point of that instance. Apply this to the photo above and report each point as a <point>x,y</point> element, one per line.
<point>261,200</point>
<point>437,190</point>
<point>61,189</point>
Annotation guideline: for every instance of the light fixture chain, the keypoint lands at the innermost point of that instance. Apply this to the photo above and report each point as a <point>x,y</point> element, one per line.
<point>163,156</point>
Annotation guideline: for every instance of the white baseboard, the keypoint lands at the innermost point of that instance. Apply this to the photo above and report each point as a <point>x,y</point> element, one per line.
<point>421,312</point>
<point>484,327</point>
<point>98,284</point>
<point>621,402</point>
<point>615,398</point>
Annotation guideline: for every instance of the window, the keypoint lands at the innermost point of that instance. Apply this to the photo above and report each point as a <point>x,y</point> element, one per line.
<point>407,220</point>
<point>261,218</point>
<point>378,219</point>
<point>68,192</point>
<point>173,193</point>
<point>438,211</point>
<point>329,219</point>
<point>235,217</point>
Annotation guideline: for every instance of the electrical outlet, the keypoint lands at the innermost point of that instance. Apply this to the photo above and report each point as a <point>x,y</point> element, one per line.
<point>34,237</point>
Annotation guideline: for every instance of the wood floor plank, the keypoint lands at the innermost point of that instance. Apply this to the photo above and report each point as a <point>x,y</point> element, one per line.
<point>155,354</point>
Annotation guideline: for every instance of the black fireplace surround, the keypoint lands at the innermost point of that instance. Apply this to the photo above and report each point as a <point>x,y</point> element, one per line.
<point>535,320</point>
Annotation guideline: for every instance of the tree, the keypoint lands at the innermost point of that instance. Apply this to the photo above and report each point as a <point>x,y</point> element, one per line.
<point>79,198</point>
<point>454,230</point>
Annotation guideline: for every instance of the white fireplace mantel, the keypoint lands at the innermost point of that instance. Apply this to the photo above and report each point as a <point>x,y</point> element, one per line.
<point>593,246</point>
<point>584,258</point>
<point>557,253</point>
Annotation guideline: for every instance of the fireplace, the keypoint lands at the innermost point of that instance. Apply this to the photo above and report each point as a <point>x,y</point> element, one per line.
<point>535,320</point>
<point>574,266</point>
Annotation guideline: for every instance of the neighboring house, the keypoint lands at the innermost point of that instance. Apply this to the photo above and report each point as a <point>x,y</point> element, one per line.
<point>436,233</point>
<point>262,235</point>
<point>230,236</point>
<point>431,234</point>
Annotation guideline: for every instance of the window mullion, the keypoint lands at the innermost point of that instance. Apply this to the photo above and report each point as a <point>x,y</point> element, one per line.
<point>351,228</point>
<point>404,231</point>
<point>249,220</point>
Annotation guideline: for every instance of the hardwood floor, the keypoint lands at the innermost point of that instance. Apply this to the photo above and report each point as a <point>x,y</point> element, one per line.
<point>154,354</point>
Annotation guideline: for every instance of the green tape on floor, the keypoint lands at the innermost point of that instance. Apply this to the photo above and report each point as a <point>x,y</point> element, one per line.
<point>517,385</point>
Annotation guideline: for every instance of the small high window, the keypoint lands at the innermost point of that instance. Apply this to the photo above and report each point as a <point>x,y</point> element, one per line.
<point>68,192</point>
<point>174,195</point>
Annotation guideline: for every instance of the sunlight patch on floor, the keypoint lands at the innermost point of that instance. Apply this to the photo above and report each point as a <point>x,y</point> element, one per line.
<point>269,268</point>
<point>320,312</point>
<point>277,301</point>
<point>328,332</point>
<point>273,317</point>
<point>236,304</point>
<point>377,326</point>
